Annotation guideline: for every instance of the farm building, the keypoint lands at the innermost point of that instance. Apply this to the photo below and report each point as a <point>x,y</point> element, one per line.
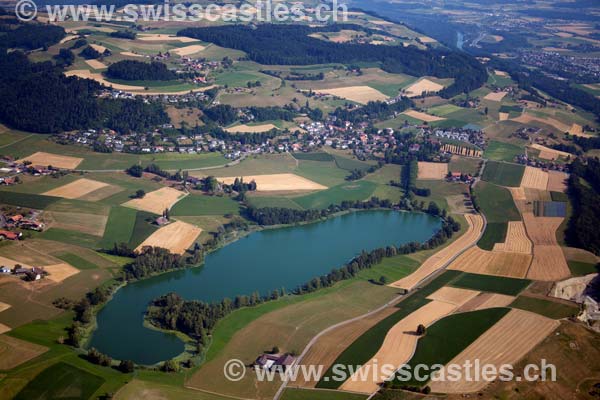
<point>10,235</point>
<point>275,361</point>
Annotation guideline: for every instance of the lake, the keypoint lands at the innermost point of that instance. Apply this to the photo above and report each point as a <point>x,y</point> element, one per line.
<point>262,261</point>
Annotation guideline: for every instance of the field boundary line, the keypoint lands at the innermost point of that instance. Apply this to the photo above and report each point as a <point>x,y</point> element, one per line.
<point>17,141</point>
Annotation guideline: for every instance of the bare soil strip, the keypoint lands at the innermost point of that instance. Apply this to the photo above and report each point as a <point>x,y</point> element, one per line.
<point>423,116</point>
<point>495,96</point>
<point>508,341</point>
<point>251,128</point>
<point>431,170</point>
<point>45,159</point>
<point>445,255</point>
<point>176,237</point>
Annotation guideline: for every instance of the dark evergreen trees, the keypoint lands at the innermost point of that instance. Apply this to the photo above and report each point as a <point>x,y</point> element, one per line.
<point>131,70</point>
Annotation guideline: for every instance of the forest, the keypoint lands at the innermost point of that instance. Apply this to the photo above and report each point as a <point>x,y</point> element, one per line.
<point>584,193</point>
<point>270,45</point>
<point>130,70</point>
<point>37,97</point>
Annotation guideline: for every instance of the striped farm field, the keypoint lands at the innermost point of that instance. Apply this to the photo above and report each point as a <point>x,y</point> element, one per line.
<point>516,240</point>
<point>487,300</point>
<point>534,178</point>
<point>557,181</point>
<point>445,255</point>
<point>509,340</point>
<point>549,263</point>
<point>478,261</point>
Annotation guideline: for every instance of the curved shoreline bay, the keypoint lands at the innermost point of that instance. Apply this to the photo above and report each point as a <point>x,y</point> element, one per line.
<point>262,261</point>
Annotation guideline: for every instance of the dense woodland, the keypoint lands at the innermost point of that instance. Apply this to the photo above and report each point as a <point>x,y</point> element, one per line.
<point>584,192</point>
<point>270,45</point>
<point>130,70</point>
<point>38,97</point>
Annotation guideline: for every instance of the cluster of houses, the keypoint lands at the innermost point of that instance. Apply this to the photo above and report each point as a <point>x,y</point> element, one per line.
<point>18,221</point>
<point>467,134</point>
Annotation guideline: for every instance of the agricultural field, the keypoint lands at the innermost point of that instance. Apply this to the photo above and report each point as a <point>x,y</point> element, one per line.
<point>500,151</point>
<point>503,174</point>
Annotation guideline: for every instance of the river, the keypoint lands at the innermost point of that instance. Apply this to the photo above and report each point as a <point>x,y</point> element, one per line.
<point>262,261</point>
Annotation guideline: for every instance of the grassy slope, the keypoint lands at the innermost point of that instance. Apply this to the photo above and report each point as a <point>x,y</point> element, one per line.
<point>489,283</point>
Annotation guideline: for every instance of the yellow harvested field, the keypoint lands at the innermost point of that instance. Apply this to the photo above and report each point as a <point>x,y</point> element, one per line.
<point>358,94</point>
<point>251,128</point>
<point>518,193</point>
<point>138,90</point>
<point>421,86</point>
<point>454,296</point>
<point>576,28</point>
<point>397,348</point>
<point>157,201</point>
<point>277,182</point>
<point>98,48</point>
<point>528,119</point>
<point>131,54</point>
<point>503,116</point>
<point>91,224</point>
<point>541,230</point>
<point>187,50</point>
<point>495,96</point>
<point>549,263</point>
<point>423,116</point>
<point>76,189</point>
<point>158,37</point>
<point>96,64</point>
<point>507,342</point>
<point>501,73</point>
<point>55,160</point>
<point>577,130</point>
<point>534,178</point>
<point>461,150</point>
<point>4,329</point>
<point>557,181</point>
<point>487,300</point>
<point>176,237</point>
<point>431,170</point>
<point>426,39</point>
<point>14,352</point>
<point>4,306</point>
<point>550,154</point>
<point>60,272</point>
<point>478,261</point>
<point>445,255</point>
<point>516,239</point>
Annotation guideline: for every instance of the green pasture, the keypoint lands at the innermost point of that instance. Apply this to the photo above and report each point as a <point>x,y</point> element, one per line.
<point>490,283</point>
<point>356,190</point>
<point>503,174</point>
<point>547,308</point>
<point>500,151</point>
<point>196,204</point>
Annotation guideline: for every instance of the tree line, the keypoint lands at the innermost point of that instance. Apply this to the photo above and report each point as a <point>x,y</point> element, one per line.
<point>584,192</point>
